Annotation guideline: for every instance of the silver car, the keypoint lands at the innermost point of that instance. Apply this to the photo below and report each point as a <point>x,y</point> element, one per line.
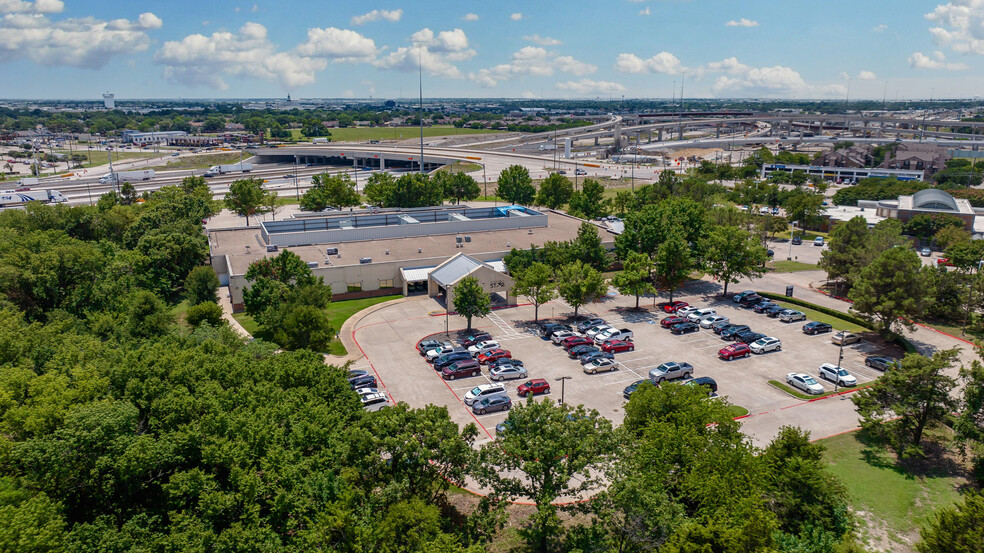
<point>507,371</point>
<point>671,370</point>
<point>805,383</point>
<point>790,315</point>
<point>763,345</point>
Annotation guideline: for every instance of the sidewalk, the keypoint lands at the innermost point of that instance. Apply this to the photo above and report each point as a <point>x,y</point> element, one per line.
<point>225,302</point>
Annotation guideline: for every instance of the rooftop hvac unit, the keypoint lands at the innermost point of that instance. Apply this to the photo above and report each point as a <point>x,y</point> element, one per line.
<point>364,260</point>
<point>331,251</point>
<point>272,248</point>
<point>387,252</point>
<point>530,232</point>
<point>312,264</point>
<point>457,239</point>
<point>467,238</point>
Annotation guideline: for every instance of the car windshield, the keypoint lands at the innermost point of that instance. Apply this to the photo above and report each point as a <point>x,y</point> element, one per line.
<point>809,380</point>
<point>842,372</point>
<point>475,391</point>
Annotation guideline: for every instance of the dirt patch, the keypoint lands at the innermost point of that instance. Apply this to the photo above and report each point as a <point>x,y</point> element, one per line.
<point>877,536</point>
<point>705,153</point>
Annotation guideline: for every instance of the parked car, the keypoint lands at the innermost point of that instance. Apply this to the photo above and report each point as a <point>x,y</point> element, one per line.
<point>355,373</point>
<point>845,338</point>
<point>818,241</point>
<point>617,346</point>
<point>492,403</point>
<point>670,321</point>
<point>484,390</point>
<point>686,311</point>
<point>670,371</point>
<point>547,329</point>
<point>631,388</point>
<point>601,364</point>
<point>730,333</point>
<point>833,373</point>
<point>944,261</point>
<point>575,341</point>
<point>790,315</point>
<point>925,252</point>
<point>507,372</point>
<point>749,300</point>
<point>805,383</point>
<point>560,330</point>
<point>424,346</point>
<point>748,336</point>
<point>371,399</point>
<point>719,328</point>
<point>734,350</point>
<point>535,386</point>
<point>589,357</point>
<point>461,369</point>
<point>763,345</point>
<point>705,381</point>
<point>797,240</point>
<point>474,338</point>
<point>504,361</point>
<point>762,306</point>
<point>816,327</point>
<point>774,312</point>
<point>738,297</point>
<point>596,330</point>
<point>583,326</point>
<point>684,328</point>
<point>881,362</point>
<point>366,391</point>
<point>619,334</point>
<point>672,306</point>
<point>446,347</point>
<point>711,320</point>
<point>698,314</point>
<point>484,345</point>
<point>449,358</point>
<point>364,381</point>
<point>578,351</point>
<point>492,354</point>
<point>561,335</point>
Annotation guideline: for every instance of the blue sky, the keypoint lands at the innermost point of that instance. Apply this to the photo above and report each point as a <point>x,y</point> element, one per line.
<point>552,49</point>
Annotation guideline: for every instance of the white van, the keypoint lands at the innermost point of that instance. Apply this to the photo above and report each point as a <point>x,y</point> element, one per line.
<point>697,315</point>
<point>479,392</point>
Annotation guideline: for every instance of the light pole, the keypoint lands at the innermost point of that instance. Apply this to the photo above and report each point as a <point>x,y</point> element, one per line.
<point>840,357</point>
<point>297,191</point>
<point>792,232</point>
<point>562,381</point>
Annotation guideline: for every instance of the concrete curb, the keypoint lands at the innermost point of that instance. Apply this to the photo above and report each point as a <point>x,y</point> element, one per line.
<point>345,334</point>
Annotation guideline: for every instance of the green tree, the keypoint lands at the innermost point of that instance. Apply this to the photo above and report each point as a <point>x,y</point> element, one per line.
<point>201,285</point>
<point>635,278</point>
<point>147,317</point>
<point>587,247</point>
<point>674,262</point>
<point>534,284</point>
<point>198,187</point>
<point>458,186</point>
<point>555,191</point>
<point>204,312</point>
<point>579,284</point>
<point>731,254</point>
<point>471,300</point>
<point>32,521</point>
<point>905,401</point>
<point>547,451</point>
<point>894,289</point>
<point>379,189</point>
<point>957,529</point>
<point>950,235</point>
<point>926,225</point>
<point>246,197</point>
<point>304,327</point>
<point>847,250</point>
<point>326,190</point>
<point>589,201</point>
<point>803,205</point>
<point>969,423</point>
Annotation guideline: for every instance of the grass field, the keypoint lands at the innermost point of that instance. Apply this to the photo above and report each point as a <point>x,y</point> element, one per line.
<point>796,393</point>
<point>783,266</point>
<point>737,411</point>
<point>102,157</point>
<point>351,134</point>
<point>338,313</point>
<point>892,500</point>
<point>837,323</point>
<point>200,161</point>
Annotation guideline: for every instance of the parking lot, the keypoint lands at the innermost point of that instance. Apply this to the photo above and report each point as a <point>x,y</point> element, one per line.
<point>388,338</point>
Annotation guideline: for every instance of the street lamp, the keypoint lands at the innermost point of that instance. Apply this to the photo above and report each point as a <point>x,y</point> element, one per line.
<point>840,358</point>
<point>297,191</point>
<point>792,232</point>
<point>562,382</point>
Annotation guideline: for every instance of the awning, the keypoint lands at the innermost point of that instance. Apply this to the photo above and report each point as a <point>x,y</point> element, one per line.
<point>415,274</point>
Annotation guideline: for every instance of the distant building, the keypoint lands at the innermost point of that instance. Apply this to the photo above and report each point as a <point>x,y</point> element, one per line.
<point>158,137</point>
<point>853,156</point>
<point>109,101</point>
<point>928,158</point>
<point>931,201</point>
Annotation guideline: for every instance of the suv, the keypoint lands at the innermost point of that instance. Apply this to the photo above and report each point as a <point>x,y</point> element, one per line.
<point>816,327</point>
<point>833,373</point>
<point>546,329</point>
<point>797,240</point>
<point>734,350</point>
<point>574,341</point>
<point>449,358</point>
<point>535,386</point>
<point>749,299</point>
<point>763,345</point>
<point>498,402</point>
<point>818,241</point>
<point>705,381</point>
<point>730,333</point>
<point>482,346</point>
<point>461,369</point>
<point>748,336</point>
<point>484,390</point>
<point>697,315</point>
<point>474,338</point>
<point>447,347</point>
<point>583,326</point>
<point>426,345</point>
<point>671,370</point>
<point>737,297</point>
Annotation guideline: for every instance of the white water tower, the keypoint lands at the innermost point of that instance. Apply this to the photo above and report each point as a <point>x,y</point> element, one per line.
<point>109,101</point>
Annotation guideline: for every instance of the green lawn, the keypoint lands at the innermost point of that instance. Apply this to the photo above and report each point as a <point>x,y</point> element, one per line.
<point>784,266</point>
<point>461,167</point>
<point>737,411</point>
<point>102,157</point>
<point>796,393</point>
<point>179,311</point>
<point>955,329</point>
<point>883,490</point>
<point>338,313</point>
<point>351,134</point>
<point>837,323</point>
<point>201,161</point>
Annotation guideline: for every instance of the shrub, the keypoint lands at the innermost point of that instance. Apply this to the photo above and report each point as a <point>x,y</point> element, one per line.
<point>205,312</point>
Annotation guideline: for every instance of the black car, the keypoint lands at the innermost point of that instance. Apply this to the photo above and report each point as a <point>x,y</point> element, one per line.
<point>583,326</point>
<point>762,306</point>
<point>880,362</point>
<point>750,300</point>
<point>797,240</point>
<point>355,373</point>
<point>633,387</point>
<point>705,381</point>
<point>748,336</point>
<point>504,361</point>
<point>684,328</point>
<point>718,328</point>
<point>774,312</point>
<point>448,358</point>
<point>771,253</point>
<point>589,357</point>
<point>474,338</point>
<point>730,333</point>
<point>366,381</point>
<point>548,330</point>
<point>578,351</point>
<point>816,327</point>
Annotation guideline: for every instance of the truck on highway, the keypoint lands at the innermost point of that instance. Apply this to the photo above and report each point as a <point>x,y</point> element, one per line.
<point>12,198</point>
<point>233,168</point>
<point>319,141</point>
<point>28,181</point>
<point>126,176</point>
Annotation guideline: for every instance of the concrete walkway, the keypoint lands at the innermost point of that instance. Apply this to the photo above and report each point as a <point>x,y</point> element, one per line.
<point>225,302</point>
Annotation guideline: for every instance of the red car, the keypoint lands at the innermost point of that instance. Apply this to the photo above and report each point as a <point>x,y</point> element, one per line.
<point>670,321</point>
<point>671,307</point>
<point>535,386</point>
<point>734,350</point>
<point>492,355</point>
<point>575,341</point>
<point>617,346</point>
<point>945,261</point>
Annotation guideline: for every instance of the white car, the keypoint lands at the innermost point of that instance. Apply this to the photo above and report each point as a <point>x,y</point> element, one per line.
<point>833,373</point>
<point>484,390</point>
<point>613,334</point>
<point>601,364</point>
<point>804,382</point>
<point>366,391</point>
<point>482,346</point>
<point>763,345</point>
<point>711,320</point>
<point>789,316</point>
<point>594,331</point>
<point>560,336</point>
<point>686,311</point>
<point>373,399</point>
<point>507,371</point>
<point>698,314</point>
<point>446,347</point>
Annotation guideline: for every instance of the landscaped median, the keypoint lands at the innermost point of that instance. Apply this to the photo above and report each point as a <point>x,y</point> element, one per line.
<point>797,394</point>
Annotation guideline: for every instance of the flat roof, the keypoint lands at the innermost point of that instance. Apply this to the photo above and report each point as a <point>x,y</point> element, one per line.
<point>233,243</point>
<point>366,219</point>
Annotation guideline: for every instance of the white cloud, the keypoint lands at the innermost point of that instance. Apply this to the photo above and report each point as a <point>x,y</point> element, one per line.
<point>586,87</point>
<point>255,8</point>
<point>198,60</point>
<point>743,22</point>
<point>434,53</point>
<point>516,16</point>
<point>534,61</point>
<point>338,45</point>
<point>470,17</point>
<point>867,75</point>
<point>26,32</point>
<point>879,28</point>
<point>960,26</point>
<point>843,75</point>
<point>663,62</point>
<point>740,79</point>
<point>645,11</point>
<point>376,15</point>
<point>542,40</point>
<point>444,42</point>
<point>529,95</point>
<point>918,60</point>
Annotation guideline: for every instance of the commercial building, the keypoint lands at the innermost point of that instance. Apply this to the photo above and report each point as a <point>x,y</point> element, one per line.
<point>931,201</point>
<point>849,173</point>
<point>378,252</point>
<point>158,137</point>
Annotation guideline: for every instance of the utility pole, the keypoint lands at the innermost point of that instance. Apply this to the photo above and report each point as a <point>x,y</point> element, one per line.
<point>420,109</point>
<point>683,79</point>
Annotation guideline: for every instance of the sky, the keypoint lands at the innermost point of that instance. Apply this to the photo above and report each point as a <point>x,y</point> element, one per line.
<point>851,49</point>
